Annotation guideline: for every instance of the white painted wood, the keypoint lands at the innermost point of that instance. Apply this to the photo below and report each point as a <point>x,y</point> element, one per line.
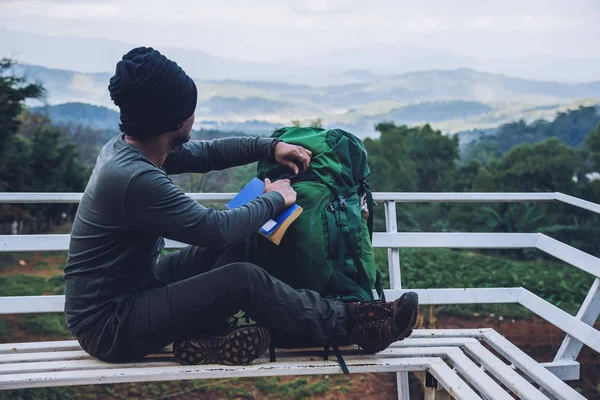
<point>431,392</point>
<point>546,379</point>
<point>395,278</point>
<point>36,347</point>
<point>456,240</point>
<point>451,382</point>
<point>565,370</point>
<point>40,197</point>
<point>76,365</point>
<point>561,319</point>
<point>568,254</point>
<point>578,328</point>
<point>588,313</point>
<point>34,242</point>
<point>460,362</point>
<point>462,197</point>
<point>49,304</point>
<point>462,296</point>
<point>445,344</point>
<point>449,333</point>
<point>403,388</point>
<point>45,356</point>
<point>56,197</point>
<point>481,381</point>
<point>31,304</point>
<point>391,226</point>
<point>60,242</point>
<point>78,354</point>
<point>55,242</point>
<point>471,372</point>
<point>509,377</point>
<point>574,201</point>
<point>181,372</point>
<point>433,342</point>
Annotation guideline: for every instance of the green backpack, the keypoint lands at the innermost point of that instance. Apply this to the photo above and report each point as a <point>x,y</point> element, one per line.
<point>328,247</point>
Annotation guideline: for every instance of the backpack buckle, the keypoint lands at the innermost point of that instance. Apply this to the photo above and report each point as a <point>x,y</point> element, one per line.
<point>342,203</point>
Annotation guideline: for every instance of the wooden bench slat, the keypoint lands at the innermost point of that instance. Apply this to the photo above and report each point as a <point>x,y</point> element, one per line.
<point>61,378</point>
<point>74,365</point>
<point>459,361</point>
<point>17,357</point>
<point>45,356</point>
<point>34,347</point>
<point>168,360</point>
<point>60,345</point>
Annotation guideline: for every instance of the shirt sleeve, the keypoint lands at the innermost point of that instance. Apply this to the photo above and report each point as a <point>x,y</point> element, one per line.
<point>206,155</point>
<point>154,204</point>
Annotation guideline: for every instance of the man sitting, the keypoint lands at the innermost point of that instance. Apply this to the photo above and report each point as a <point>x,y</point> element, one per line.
<point>125,300</point>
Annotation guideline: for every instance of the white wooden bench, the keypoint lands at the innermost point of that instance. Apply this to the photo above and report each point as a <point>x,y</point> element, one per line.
<point>454,363</point>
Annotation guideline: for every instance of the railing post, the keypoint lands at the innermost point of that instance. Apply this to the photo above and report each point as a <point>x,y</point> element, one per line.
<point>588,313</point>
<point>391,226</point>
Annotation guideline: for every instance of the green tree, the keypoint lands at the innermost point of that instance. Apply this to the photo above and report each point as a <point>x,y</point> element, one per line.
<point>419,158</point>
<point>592,143</point>
<point>35,156</point>
<point>546,166</point>
<point>14,90</point>
<point>317,123</point>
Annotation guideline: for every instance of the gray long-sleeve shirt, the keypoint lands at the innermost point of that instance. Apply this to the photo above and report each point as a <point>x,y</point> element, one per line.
<point>130,205</point>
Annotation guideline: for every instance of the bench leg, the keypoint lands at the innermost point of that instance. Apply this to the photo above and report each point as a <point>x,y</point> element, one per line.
<point>403,388</point>
<point>430,386</point>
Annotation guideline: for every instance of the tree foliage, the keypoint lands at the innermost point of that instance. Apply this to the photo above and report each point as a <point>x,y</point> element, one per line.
<point>423,160</point>
<point>35,156</point>
<point>570,127</point>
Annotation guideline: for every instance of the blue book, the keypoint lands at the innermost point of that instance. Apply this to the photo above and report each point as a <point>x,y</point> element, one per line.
<point>274,228</point>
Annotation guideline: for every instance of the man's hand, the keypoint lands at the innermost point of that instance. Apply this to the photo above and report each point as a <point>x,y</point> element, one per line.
<point>286,153</point>
<point>282,187</point>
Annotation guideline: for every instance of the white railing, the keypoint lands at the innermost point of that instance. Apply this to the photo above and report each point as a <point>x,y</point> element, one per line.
<point>579,328</point>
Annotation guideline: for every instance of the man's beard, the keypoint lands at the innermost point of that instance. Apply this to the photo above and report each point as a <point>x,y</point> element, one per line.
<point>179,140</point>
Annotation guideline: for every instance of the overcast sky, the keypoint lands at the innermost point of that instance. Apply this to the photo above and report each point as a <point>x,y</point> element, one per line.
<point>276,30</point>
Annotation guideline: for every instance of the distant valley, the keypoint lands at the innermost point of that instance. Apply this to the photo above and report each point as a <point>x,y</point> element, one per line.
<point>452,100</point>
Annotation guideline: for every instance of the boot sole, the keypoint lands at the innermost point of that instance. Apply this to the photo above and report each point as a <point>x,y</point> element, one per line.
<point>410,300</point>
<point>239,347</point>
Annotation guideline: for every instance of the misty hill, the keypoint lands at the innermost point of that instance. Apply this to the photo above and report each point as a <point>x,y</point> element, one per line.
<point>88,54</point>
<point>95,117</point>
<point>455,100</point>
<point>571,128</point>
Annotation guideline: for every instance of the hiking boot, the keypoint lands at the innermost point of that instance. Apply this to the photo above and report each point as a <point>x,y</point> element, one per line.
<point>377,324</point>
<point>239,346</point>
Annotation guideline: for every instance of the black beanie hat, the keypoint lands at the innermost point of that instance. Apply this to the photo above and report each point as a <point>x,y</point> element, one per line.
<point>153,93</point>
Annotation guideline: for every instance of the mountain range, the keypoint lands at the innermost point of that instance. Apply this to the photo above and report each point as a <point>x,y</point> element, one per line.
<point>453,100</point>
<point>88,54</point>
<point>353,88</point>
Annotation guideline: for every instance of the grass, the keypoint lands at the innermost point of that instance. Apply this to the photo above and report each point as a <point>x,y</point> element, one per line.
<point>563,285</point>
<point>45,324</point>
<point>28,285</point>
<point>233,388</point>
<point>6,330</point>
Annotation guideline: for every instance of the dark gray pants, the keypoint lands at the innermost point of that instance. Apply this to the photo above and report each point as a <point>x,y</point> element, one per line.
<point>197,290</point>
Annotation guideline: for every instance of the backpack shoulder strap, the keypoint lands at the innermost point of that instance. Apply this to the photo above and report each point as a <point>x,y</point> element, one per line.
<point>346,243</point>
